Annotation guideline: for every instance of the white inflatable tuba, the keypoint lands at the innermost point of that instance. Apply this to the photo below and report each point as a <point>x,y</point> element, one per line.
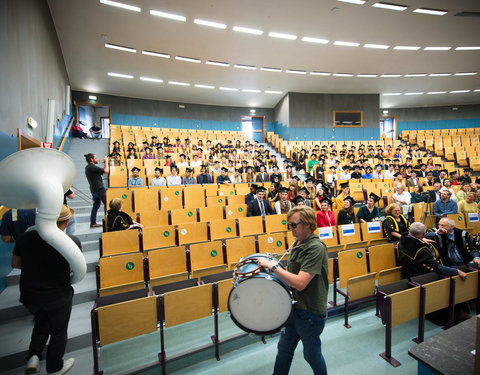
<point>38,178</point>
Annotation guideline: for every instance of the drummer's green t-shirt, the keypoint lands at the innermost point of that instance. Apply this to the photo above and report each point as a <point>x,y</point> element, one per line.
<point>311,256</point>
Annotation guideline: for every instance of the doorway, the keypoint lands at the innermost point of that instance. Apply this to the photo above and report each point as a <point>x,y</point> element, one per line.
<point>388,127</point>
<point>88,113</point>
<point>254,128</point>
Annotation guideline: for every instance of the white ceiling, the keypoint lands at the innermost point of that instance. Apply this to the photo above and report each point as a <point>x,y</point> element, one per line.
<point>83,28</point>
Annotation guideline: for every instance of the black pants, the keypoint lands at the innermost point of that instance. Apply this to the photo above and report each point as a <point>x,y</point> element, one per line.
<point>98,197</point>
<point>51,320</point>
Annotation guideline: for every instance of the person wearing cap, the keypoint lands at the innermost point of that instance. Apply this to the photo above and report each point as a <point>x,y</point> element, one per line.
<point>346,215</point>
<point>46,292</point>
<point>339,200</point>
<point>298,201</point>
<point>345,175</point>
<point>188,179</point>
<point>436,170</point>
<point>368,173</point>
<point>325,217</point>
<point>413,180</point>
<point>287,176</point>
<point>322,192</point>
<point>331,176</point>
<point>303,192</point>
<point>131,154</point>
<point>204,177</point>
<point>369,212</point>
<point>283,205</point>
<point>262,176</point>
<point>115,159</point>
<point>148,154</point>
<point>454,178</point>
<point>135,180</point>
<point>390,172</point>
<point>196,162</point>
<point>395,224</point>
<point>259,206</point>
<point>252,195</point>
<point>356,174</point>
<point>117,219</point>
<point>158,180</point>
<point>236,177</point>
<point>276,175</point>
<point>174,179</point>
<point>442,175</point>
<point>377,173</point>
<point>154,142</point>
<point>183,162</point>
<point>97,189</point>
<point>274,193</point>
<point>223,177</point>
<point>428,181</point>
<point>116,147</point>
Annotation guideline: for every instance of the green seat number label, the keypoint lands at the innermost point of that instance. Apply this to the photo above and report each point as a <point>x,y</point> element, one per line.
<point>130,266</point>
<point>166,233</point>
<point>359,255</point>
<point>229,229</point>
<point>177,193</point>
<point>124,196</point>
<point>213,253</point>
<point>284,222</point>
<point>279,243</point>
<point>190,214</point>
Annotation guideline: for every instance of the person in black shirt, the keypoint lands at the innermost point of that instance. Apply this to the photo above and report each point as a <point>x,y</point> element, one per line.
<point>356,174</point>
<point>15,223</point>
<point>46,292</point>
<point>94,177</point>
<point>118,220</point>
<point>70,194</point>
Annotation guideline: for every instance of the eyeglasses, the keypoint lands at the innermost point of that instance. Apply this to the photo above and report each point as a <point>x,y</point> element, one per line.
<point>293,225</point>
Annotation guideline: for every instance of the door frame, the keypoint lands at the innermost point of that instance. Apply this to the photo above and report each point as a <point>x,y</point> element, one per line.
<point>255,131</point>
<point>394,120</point>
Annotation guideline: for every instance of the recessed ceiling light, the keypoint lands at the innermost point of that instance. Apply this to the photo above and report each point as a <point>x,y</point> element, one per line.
<point>170,16</point>
<point>217,63</point>
<point>359,2</point>
<point>92,97</point>
<point>459,91</point>
<point>390,75</point>
<point>216,25</point>
<point>176,83</point>
<point>294,71</point>
<point>314,73</point>
<point>440,74</point>
<point>437,48</point>
<point>314,40</point>
<point>273,92</point>
<point>247,30</point>
<point>156,54</point>
<point>436,92</point>
<point>228,88</point>
<point>466,74</point>
<point>389,6</point>
<point>413,93</point>
<point>268,69</point>
<point>343,74</point>
<point>376,46</point>
<point>253,111</point>
<point>242,66</point>
<point>200,86</point>
<point>407,48</point>
<point>385,111</point>
<point>367,75</point>
<point>121,48</point>
<point>345,44</point>
<point>435,12</point>
<point>472,48</point>
<point>392,94</point>
<point>415,75</point>
<point>121,5</point>
<point>156,80</point>
<point>477,90</point>
<point>119,75</point>
<point>252,90</point>
<point>282,35</point>
<point>188,59</point>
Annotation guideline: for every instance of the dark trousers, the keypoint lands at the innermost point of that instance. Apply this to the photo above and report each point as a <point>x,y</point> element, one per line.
<point>98,197</point>
<point>51,320</point>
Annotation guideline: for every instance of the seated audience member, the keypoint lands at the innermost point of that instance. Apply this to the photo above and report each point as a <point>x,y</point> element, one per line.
<point>429,181</point>
<point>462,193</point>
<point>310,187</point>
<point>252,195</point>
<point>131,154</point>
<point>395,224</point>
<point>236,177</point>
<point>77,132</point>
<point>368,173</point>
<point>456,246</point>
<point>259,206</point>
<point>445,205</point>
<point>356,174</point>
<point>417,194</point>
<point>188,179</point>
<point>447,185</point>
<point>223,177</point>
<point>287,176</point>
<point>322,192</point>
<point>292,190</point>
<point>434,194</point>
<point>369,212</point>
<point>389,173</point>
<point>262,176</point>
<point>413,180</point>
<point>117,219</point>
<point>15,223</point>
<point>116,147</point>
<point>465,177</point>
<point>148,154</point>
<point>115,159</point>
<point>303,192</point>
<point>417,256</point>
<point>174,179</point>
<point>331,176</point>
<point>325,217</point>
<point>250,175</point>
<point>454,178</point>
<point>345,175</point>
<point>273,193</point>
<point>204,177</point>
<point>135,180</point>
<point>158,180</point>
<point>276,176</point>
<point>377,173</point>
<point>403,198</point>
<point>346,214</point>
<point>345,193</point>
<point>283,205</point>
<point>298,201</point>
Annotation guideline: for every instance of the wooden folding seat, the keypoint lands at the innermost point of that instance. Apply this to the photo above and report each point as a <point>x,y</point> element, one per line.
<point>207,258</point>
<point>158,237</point>
<point>124,194</point>
<point>473,222</point>
<point>171,197</point>
<point>234,212</point>
<point>134,163</point>
<point>117,180</point>
<point>216,201</point>
<point>211,190</point>
<point>235,200</point>
<point>328,235</point>
<point>382,257</point>
<point>220,229</point>
<point>371,231</point>
<point>459,220</point>
<point>192,232</point>
<point>226,191</point>
<point>211,213</point>
<point>194,196</point>
<point>120,242</point>
<point>145,199</point>
<point>167,265</point>
<point>153,218</point>
<point>249,226</point>
<point>242,189</point>
<point>349,233</point>
<point>272,243</point>
<point>183,215</point>
<point>466,290</point>
<point>276,223</point>
<point>120,273</point>
<point>238,248</point>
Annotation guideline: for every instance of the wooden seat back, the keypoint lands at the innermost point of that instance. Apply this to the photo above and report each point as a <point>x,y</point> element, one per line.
<point>234,212</point>
<point>220,229</point>
<point>351,263</point>
<point>192,232</point>
<point>120,242</point>
<point>153,218</point>
<point>211,213</point>
<point>381,257</point>
<point>121,273</point>
<point>271,243</point>
<point>167,264</point>
<point>276,223</point>
<point>238,248</point>
<point>207,256</point>
<point>158,237</point>
<point>249,226</point>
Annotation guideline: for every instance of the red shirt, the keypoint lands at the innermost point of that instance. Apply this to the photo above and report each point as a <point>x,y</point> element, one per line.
<point>323,220</point>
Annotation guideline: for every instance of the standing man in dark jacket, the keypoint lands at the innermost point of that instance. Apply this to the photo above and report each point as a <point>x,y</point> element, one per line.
<point>99,193</point>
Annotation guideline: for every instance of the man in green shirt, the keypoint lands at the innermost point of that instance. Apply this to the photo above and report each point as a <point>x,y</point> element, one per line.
<point>307,276</point>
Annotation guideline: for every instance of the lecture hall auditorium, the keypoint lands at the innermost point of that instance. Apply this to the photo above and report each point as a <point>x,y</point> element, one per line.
<point>200,106</point>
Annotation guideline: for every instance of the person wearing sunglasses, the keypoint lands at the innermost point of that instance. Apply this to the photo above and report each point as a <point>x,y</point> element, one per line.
<point>307,276</point>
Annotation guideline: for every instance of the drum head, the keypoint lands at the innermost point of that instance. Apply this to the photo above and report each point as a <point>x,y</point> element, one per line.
<point>260,305</point>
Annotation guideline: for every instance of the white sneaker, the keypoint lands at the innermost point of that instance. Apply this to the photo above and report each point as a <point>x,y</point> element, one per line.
<point>67,365</point>
<point>33,365</point>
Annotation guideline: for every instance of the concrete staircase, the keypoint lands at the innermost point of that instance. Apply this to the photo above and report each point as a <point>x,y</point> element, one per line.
<point>15,321</point>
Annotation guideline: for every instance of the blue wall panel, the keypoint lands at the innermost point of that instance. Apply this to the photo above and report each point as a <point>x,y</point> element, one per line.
<point>438,124</point>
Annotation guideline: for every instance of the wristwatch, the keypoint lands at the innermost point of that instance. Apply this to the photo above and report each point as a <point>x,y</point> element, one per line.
<point>274,268</point>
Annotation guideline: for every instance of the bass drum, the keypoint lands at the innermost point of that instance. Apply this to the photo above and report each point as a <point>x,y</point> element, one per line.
<point>260,303</point>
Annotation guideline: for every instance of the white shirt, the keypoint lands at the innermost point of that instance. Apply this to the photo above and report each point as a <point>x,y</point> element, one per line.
<point>331,178</point>
<point>174,180</point>
<point>236,180</point>
<point>345,176</point>
<point>377,175</point>
<point>197,163</point>
<point>452,196</point>
<point>158,181</point>
<point>182,164</point>
<point>389,174</point>
<point>404,197</point>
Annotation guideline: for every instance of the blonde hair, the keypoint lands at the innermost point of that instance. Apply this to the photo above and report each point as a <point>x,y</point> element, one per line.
<point>307,216</point>
<point>116,204</point>
<point>390,207</point>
